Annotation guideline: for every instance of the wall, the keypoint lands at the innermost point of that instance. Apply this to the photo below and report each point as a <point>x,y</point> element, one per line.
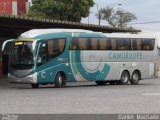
<point>6,6</point>
<point>13,7</point>
<point>21,6</point>
<point>2,39</point>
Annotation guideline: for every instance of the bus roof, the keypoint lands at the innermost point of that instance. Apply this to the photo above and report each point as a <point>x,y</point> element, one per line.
<point>129,35</point>
<point>36,32</point>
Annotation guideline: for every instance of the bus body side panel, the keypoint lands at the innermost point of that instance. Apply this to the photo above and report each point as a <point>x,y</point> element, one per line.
<point>144,61</point>
<point>48,71</point>
<point>95,65</point>
<point>83,68</point>
<point>109,65</point>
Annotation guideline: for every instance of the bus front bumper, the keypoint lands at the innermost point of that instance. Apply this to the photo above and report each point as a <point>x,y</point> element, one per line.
<point>30,79</point>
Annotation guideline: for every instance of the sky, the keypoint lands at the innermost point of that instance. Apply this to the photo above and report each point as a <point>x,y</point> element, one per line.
<point>145,11</point>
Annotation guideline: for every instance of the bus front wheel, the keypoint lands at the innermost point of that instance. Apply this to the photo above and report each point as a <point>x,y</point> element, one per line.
<point>124,78</point>
<point>135,78</point>
<point>35,85</point>
<point>60,80</point>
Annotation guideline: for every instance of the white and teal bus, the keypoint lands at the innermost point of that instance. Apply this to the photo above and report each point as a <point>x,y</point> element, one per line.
<point>57,56</point>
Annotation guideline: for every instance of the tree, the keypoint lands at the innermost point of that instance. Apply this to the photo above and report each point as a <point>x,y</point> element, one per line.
<point>119,18</point>
<point>70,10</point>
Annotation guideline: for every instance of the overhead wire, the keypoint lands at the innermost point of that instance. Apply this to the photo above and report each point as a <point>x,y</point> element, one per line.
<point>151,22</point>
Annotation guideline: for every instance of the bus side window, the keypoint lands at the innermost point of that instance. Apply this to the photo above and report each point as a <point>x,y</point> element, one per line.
<point>113,44</point>
<point>108,44</point>
<point>79,44</point>
<point>83,45</point>
<point>43,53</point>
<point>136,44</point>
<point>120,44</point>
<point>50,47</point>
<point>55,47</point>
<point>61,44</point>
<point>139,44</point>
<point>152,43</point>
<point>105,44</point>
<point>73,44</point>
<point>147,44</point>
<point>123,44</point>
<point>94,43</point>
<point>102,44</point>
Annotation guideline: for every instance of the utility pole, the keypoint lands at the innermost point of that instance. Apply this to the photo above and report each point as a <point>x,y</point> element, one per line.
<point>99,15</point>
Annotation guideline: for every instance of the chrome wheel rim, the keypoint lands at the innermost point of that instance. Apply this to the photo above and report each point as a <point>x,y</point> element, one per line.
<point>60,79</point>
<point>125,78</point>
<point>135,77</point>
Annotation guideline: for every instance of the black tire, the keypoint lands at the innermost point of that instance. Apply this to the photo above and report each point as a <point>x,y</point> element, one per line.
<point>135,78</point>
<point>112,83</point>
<point>124,78</point>
<point>60,80</point>
<point>101,82</point>
<point>35,85</point>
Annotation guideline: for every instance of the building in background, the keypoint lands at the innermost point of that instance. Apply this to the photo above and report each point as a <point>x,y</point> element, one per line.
<point>14,7</point>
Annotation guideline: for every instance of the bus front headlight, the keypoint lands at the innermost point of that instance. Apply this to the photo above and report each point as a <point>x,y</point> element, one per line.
<point>34,77</point>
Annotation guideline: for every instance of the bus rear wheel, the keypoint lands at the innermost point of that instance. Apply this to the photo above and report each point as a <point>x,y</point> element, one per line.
<point>35,85</point>
<point>124,78</point>
<point>60,80</point>
<point>101,82</point>
<point>135,78</point>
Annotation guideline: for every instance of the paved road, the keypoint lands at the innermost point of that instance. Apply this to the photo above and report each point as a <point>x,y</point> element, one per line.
<point>81,98</point>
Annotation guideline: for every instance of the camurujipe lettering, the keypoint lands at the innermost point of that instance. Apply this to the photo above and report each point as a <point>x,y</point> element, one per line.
<point>127,55</point>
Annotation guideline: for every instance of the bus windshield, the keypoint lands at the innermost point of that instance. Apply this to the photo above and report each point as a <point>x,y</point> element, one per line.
<point>22,55</point>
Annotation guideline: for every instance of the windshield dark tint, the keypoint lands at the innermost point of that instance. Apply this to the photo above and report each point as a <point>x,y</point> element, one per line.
<point>22,55</point>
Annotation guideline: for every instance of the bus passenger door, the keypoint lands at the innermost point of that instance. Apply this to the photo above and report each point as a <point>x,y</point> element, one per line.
<point>41,60</point>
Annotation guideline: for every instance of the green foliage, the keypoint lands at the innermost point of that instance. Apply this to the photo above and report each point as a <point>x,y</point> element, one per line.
<point>119,18</point>
<point>70,10</point>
